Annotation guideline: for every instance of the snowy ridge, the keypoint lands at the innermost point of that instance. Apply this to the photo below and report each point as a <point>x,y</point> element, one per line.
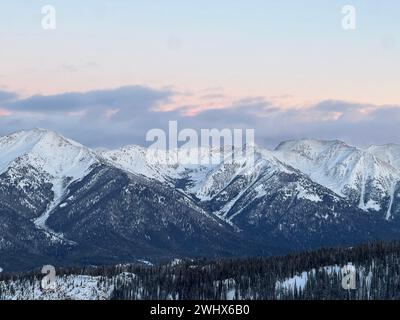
<point>161,164</point>
<point>298,282</point>
<point>366,177</point>
<point>389,153</point>
<point>360,175</point>
<point>54,154</point>
<point>228,178</point>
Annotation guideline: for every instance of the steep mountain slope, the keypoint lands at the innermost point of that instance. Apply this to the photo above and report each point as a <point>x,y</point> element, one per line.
<point>275,203</point>
<point>358,175</point>
<point>174,167</point>
<point>63,203</point>
<point>37,166</point>
<point>124,216</point>
<point>55,155</point>
<point>263,198</point>
<point>390,153</point>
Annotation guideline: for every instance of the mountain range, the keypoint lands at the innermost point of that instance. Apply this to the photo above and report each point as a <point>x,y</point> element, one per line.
<point>62,203</point>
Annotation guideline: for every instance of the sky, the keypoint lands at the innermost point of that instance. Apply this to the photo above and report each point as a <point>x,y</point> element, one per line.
<point>111,70</point>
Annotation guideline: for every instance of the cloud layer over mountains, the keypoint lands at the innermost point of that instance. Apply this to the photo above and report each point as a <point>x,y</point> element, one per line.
<point>119,116</point>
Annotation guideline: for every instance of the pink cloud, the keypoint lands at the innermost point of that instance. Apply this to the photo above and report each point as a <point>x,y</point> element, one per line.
<point>5,113</point>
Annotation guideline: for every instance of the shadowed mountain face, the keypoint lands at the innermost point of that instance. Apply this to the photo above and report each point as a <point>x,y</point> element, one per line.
<point>62,203</point>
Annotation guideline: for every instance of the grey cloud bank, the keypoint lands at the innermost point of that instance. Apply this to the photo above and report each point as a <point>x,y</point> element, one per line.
<point>115,117</point>
<point>7,96</point>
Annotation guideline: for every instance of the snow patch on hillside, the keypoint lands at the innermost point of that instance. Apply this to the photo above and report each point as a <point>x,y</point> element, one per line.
<point>71,287</point>
<point>305,194</point>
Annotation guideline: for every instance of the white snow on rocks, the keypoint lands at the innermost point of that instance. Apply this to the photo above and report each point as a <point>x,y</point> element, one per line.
<point>348,171</point>
<point>59,161</point>
<point>367,177</point>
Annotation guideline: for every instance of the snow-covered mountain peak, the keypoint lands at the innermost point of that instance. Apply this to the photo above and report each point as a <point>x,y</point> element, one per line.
<point>47,150</point>
<point>133,159</point>
<point>349,171</point>
<point>302,188</point>
<point>335,155</point>
<point>18,144</point>
<point>310,148</point>
<point>367,177</point>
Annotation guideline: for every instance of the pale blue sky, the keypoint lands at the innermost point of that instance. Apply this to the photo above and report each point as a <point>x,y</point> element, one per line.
<point>254,47</point>
<point>285,68</point>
